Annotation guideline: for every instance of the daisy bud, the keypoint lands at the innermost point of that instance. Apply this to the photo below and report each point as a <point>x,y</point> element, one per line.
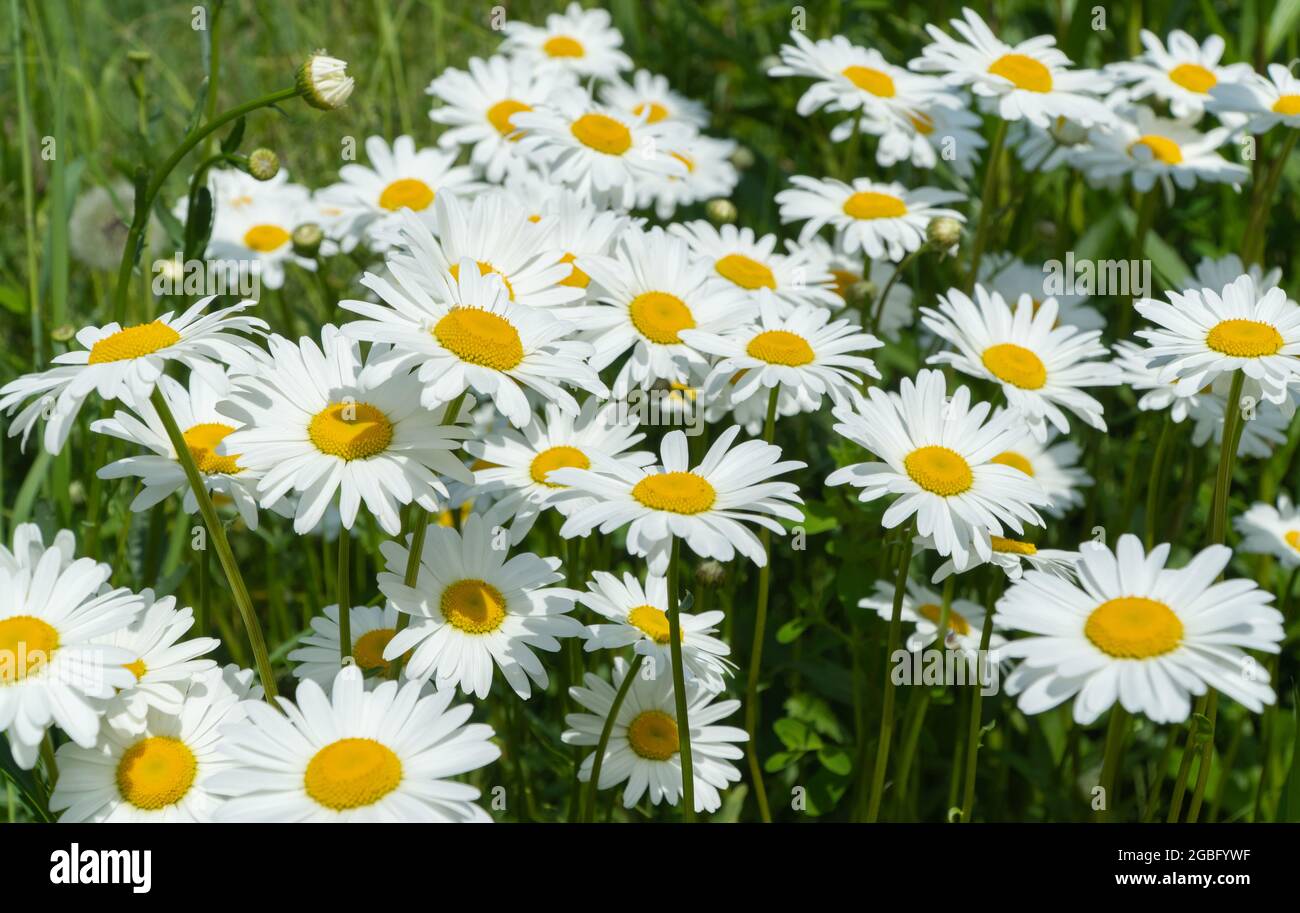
<point>263,164</point>
<point>77,492</point>
<point>742,158</point>
<point>63,333</point>
<point>306,239</point>
<point>139,58</point>
<point>944,232</point>
<point>324,81</point>
<point>720,211</point>
<point>711,574</point>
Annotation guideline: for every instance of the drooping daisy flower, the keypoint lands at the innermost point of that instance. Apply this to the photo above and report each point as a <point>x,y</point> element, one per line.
<point>639,617</point>
<point>942,128</point>
<point>709,173</point>
<point>798,276</point>
<point>159,771</point>
<point>577,41</point>
<point>707,506</point>
<point>371,626</point>
<point>1269,530</point>
<point>877,219</point>
<point>258,234</point>
<point>937,456</point>
<point>472,609</point>
<point>203,427</point>
<point>1266,102</point>
<point>324,81</point>
<point>1205,333</point>
<point>318,421</point>
<point>1005,274</point>
<point>125,363</point>
<point>1134,631</point>
<point>1053,465</point>
<point>805,351</point>
<point>1041,150</point>
<point>386,755</point>
<point>1182,74</point>
<point>398,177</point>
<point>1029,80</point>
<point>53,670</point>
<point>650,96</point>
<point>653,290</point>
<point>517,465</point>
<point>1041,365</point>
<point>1009,556</point>
<point>923,607</point>
<point>642,745</point>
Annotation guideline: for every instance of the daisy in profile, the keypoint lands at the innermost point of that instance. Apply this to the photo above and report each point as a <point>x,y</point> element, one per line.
<point>258,235</point>
<point>319,422</point>
<point>653,289</point>
<point>124,363</point>
<point>707,506</point>
<point>399,177</point>
<point>1031,80</point>
<point>1005,274</point>
<point>709,173</point>
<point>29,547</point>
<point>1265,102</point>
<point>799,275</point>
<point>160,771</point>
<point>1263,429</point>
<point>1052,463</point>
<point>923,607</point>
<point>53,669</point>
<point>1216,272</point>
<point>473,610</point>
<point>860,282</point>
<point>1135,631</point>
<point>936,454</point>
<point>805,352</point>
<point>1041,365</point>
<point>602,153</point>
<point>877,219</point>
<point>1044,149</point>
<point>371,627</point>
<point>517,465</point>
<point>468,336</point>
<point>1010,556</point>
<point>642,747</point>
<point>648,95</point>
<point>204,429</point>
<point>479,106</point>
<point>387,755</point>
<point>1203,334</point>
<point>940,129</point>
<point>1269,530</point>
<point>638,617</point>
<point>576,228</point>
<point>582,43</point>
<point>1183,74</point>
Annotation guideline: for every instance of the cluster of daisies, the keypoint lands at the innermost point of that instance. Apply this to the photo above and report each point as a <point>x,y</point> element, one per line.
<point>515,303</point>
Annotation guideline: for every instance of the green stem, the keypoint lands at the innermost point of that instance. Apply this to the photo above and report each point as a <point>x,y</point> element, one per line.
<point>598,760</point>
<point>987,204</point>
<point>878,311</point>
<point>1156,480</point>
<point>344,596</point>
<point>1115,734</point>
<point>679,685</point>
<point>977,703</point>
<point>1145,219</point>
<point>1269,722</point>
<point>1252,245</point>
<point>214,62</point>
<point>51,765</point>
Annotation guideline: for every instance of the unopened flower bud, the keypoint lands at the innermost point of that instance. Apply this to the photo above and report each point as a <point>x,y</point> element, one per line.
<point>742,158</point>
<point>263,164</point>
<point>307,238</point>
<point>721,211</point>
<point>324,81</point>
<point>711,574</point>
<point>944,232</point>
<point>63,332</point>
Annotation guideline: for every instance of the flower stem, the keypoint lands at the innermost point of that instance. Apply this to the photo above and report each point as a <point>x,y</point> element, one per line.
<point>217,532</point>
<point>977,702</point>
<point>1252,244</point>
<point>987,205</point>
<point>1156,482</point>
<point>344,597</point>
<point>598,760</point>
<point>1268,723</point>
<point>878,311</point>
<point>679,685</point>
<point>1115,734</point>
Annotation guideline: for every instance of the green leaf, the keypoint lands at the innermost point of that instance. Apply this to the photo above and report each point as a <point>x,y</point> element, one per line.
<point>796,735</point>
<point>781,760</point>
<point>1288,806</point>
<point>236,136</point>
<point>836,760</point>
<point>791,630</point>
<point>1284,21</point>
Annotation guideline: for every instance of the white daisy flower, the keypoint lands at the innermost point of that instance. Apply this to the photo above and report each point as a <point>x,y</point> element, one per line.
<point>1266,102</point>
<point>125,363</point>
<point>639,616</point>
<point>709,173</point>
<point>941,128</point>
<point>386,755</point>
<point>324,81</point>
<point>1053,465</point>
<point>160,771</point>
<point>29,547</point>
<point>938,455</point>
<point>472,609</point>
<point>517,465</point>
<point>707,506</point>
<point>257,235</point>
<point>319,422</point>
<point>1005,274</point>
<point>751,413</point>
<point>1134,631</point>
<point>1029,80</point>
<point>1182,74</point>
<point>1215,273</point>
<point>1041,365</point>
<point>923,607</point>
<point>1010,556</point>
<point>1134,363</point>
<point>576,228</point>
<point>848,270</point>
<point>1041,150</point>
<point>578,41</point>
<point>642,746</point>
<point>371,627</point>
<point>1263,427</point>
<point>1269,530</point>
<point>650,96</point>
<point>877,219</point>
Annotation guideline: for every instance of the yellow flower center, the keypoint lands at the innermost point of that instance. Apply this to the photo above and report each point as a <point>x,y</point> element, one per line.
<point>266,238</point>
<point>867,204</point>
<point>485,268</point>
<point>939,470</point>
<point>781,347</point>
<point>675,492</point>
<point>137,668</point>
<point>499,116</point>
<point>1287,105</point>
<point>844,280</point>
<point>473,606</point>
<point>563,46</point>
<point>1292,538</point>
<point>1134,627</point>
<point>351,431</point>
<point>868,80</point>
<point>156,772</point>
<point>133,342</point>
<point>1015,365</point>
<point>659,317</point>
<point>1162,148</point>
<point>1023,72</point>
<point>576,278</point>
<point>602,133</point>
<point>202,440</point>
<point>368,650</point>
<point>26,644</point>
<point>557,458</point>
<point>1244,338</point>
<point>480,338</point>
<point>657,111</point>
<point>406,193</point>
<point>652,622</point>
<point>1193,77</point>
<point>653,735</point>
<point>1012,546</point>
<point>685,160</point>
<point>923,123</point>
<point>352,773</point>
<point>956,621</point>
<point>745,272</point>
<point>1015,461</point>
